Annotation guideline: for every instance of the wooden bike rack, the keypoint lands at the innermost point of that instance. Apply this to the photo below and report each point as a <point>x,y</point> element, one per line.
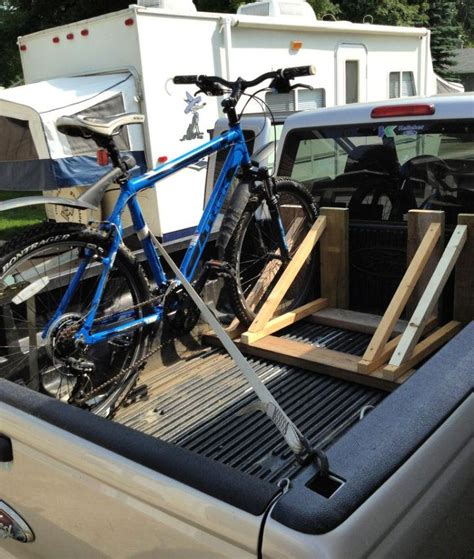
<point>397,346</point>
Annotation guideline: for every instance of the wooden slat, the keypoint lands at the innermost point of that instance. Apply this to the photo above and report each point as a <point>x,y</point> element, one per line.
<point>427,346</point>
<point>278,292</point>
<point>381,360</point>
<point>366,366</point>
<point>418,223</point>
<point>284,320</point>
<point>320,360</point>
<point>258,290</point>
<point>353,320</point>
<point>403,292</point>
<point>334,255</point>
<point>463,309</point>
<point>430,296</point>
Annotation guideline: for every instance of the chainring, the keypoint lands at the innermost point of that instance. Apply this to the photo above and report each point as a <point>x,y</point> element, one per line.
<point>180,311</point>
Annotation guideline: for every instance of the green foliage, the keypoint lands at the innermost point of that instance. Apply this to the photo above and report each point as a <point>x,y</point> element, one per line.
<point>449,20</point>
<point>221,6</point>
<point>465,18</point>
<point>325,7</point>
<point>385,12</point>
<point>445,35</point>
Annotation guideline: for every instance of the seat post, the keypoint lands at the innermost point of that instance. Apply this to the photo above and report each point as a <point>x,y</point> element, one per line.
<point>108,143</point>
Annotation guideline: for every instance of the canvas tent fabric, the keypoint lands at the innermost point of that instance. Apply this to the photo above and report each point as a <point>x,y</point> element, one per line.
<point>445,86</point>
<point>35,156</point>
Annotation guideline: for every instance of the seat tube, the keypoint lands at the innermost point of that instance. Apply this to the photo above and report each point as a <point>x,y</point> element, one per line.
<point>143,234</point>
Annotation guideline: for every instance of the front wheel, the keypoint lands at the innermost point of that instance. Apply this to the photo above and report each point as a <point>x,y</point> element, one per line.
<point>255,256</point>
<point>38,347</point>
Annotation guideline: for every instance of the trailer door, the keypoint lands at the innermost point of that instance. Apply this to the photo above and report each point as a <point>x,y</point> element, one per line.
<point>351,73</point>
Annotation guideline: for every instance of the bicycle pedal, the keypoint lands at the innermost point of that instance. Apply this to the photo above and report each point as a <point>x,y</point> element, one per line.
<point>80,366</point>
<point>219,268</point>
<point>138,393</point>
<point>121,341</point>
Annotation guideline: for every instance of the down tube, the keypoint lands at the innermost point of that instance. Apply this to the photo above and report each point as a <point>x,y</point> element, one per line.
<point>237,156</point>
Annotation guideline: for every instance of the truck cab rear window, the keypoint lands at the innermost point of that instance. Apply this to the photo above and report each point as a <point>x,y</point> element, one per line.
<point>335,162</point>
<point>16,142</point>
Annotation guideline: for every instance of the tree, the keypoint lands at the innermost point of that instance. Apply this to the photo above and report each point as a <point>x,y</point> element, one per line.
<point>466,21</point>
<point>386,12</point>
<point>445,35</point>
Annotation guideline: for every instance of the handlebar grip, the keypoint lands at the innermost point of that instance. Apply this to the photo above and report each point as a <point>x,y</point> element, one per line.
<point>185,79</point>
<point>295,72</point>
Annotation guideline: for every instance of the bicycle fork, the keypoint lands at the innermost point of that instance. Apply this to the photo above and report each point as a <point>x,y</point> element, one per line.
<point>269,189</point>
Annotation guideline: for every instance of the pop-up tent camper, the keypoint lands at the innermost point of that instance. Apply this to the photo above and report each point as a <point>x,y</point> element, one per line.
<point>35,156</point>
<point>355,63</point>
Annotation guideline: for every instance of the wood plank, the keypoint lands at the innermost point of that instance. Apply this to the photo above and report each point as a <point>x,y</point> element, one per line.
<point>418,223</point>
<point>430,297</point>
<point>284,320</point>
<point>258,290</point>
<point>319,360</point>
<point>289,274</point>
<point>463,309</point>
<point>353,320</point>
<point>427,346</point>
<point>403,292</point>
<point>370,366</point>
<point>334,256</point>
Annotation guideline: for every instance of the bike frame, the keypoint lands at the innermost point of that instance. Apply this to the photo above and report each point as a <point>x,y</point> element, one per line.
<point>238,157</point>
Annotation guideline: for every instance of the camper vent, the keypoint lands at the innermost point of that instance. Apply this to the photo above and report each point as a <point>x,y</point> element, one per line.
<point>276,8</point>
<point>178,6</point>
<point>302,100</point>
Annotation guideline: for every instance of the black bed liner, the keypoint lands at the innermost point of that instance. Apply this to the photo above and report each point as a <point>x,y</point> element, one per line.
<point>199,404</point>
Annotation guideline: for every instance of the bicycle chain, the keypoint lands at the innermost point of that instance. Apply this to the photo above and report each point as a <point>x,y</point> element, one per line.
<point>124,373</point>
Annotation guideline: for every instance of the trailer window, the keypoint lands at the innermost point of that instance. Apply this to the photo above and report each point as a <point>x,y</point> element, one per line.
<point>352,81</point>
<point>112,106</point>
<point>402,84</point>
<point>16,141</point>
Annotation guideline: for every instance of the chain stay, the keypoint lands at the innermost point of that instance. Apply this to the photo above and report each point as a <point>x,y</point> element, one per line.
<point>125,373</point>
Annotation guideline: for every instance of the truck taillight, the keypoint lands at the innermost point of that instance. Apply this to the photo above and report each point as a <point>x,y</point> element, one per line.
<point>162,159</point>
<point>23,47</point>
<point>70,36</point>
<point>129,21</point>
<point>84,32</point>
<point>55,40</point>
<point>420,109</point>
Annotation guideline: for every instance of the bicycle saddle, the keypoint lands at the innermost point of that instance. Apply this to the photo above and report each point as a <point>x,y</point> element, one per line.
<point>87,126</point>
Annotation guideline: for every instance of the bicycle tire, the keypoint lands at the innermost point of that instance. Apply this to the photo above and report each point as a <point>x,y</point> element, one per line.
<point>295,202</point>
<point>46,256</point>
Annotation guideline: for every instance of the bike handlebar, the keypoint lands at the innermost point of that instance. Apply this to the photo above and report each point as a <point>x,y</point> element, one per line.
<point>282,73</point>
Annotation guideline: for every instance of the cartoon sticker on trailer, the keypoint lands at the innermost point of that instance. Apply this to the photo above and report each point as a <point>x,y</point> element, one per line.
<point>193,105</point>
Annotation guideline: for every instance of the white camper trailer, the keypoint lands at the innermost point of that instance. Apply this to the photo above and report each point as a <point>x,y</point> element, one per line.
<point>123,61</point>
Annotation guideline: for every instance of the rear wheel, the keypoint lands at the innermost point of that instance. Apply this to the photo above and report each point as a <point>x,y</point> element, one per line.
<point>37,348</point>
<point>254,253</point>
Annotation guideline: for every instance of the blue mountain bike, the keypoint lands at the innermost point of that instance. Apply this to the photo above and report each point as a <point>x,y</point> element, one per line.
<point>77,311</point>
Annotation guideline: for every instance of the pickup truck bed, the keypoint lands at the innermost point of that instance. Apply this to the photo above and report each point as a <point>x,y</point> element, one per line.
<point>201,404</point>
<point>78,478</point>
